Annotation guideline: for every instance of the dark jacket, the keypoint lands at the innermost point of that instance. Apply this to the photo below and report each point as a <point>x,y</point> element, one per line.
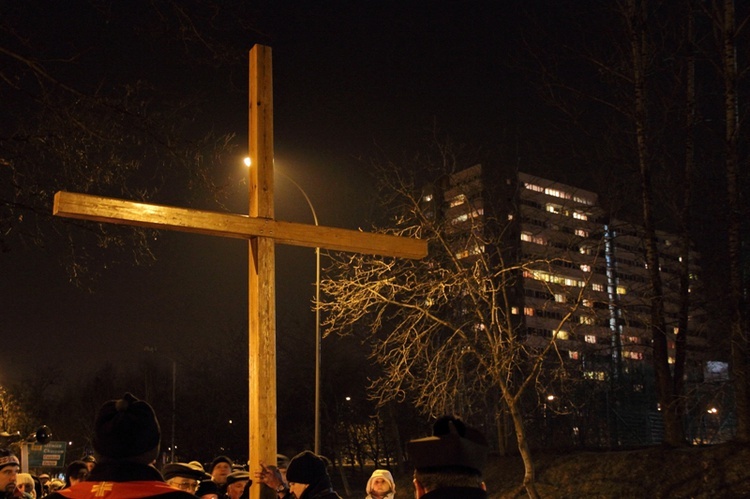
<point>321,490</point>
<point>121,480</point>
<point>456,493</point>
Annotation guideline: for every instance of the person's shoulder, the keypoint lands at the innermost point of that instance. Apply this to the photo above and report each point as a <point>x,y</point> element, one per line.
<point>177,494</point>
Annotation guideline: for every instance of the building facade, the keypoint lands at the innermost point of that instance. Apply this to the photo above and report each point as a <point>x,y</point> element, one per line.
<point>583,282</point>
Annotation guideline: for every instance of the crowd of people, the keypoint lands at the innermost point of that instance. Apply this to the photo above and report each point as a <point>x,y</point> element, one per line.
<point>447,465</point>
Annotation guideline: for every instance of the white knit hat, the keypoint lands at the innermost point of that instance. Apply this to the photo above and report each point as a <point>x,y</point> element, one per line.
<point>385,475</point>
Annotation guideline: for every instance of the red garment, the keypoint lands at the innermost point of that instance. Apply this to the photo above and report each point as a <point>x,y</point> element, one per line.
<point>118,490</point>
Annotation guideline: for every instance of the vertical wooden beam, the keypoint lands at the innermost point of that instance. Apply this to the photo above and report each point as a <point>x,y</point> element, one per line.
<point>262,290</point>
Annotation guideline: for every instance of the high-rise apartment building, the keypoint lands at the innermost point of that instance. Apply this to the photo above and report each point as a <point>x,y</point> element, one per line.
<point>584,279</point>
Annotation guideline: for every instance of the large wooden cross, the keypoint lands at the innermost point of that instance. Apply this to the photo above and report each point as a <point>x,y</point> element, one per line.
<point>262,231</point>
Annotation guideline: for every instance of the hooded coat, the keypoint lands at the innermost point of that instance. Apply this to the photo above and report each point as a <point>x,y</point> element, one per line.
<point>386,475</point>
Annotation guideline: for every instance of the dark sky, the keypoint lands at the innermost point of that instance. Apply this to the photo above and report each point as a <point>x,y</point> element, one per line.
<point>350,78</point>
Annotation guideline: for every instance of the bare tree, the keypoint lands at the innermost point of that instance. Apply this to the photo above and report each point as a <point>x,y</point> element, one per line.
<point>446,330</point>
<point>729,32</point>
<point>82,113</point>
<point>643,88</point>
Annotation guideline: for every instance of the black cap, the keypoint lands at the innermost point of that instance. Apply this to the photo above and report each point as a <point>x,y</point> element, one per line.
<point>453,444</point>
<point>220,459</point>
<point>127,429</point>
<point>308,468</point>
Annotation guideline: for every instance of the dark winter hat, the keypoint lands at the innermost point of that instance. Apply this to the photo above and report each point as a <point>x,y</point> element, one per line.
<point>76,469</point>
<point>220,459</point>
<point>237,476</point>
<point>207,487</point>
<point>307,468</point>
<point>453,444</point>
<point>127,429</point>
<point>7,458</point>
<point>183,470</point>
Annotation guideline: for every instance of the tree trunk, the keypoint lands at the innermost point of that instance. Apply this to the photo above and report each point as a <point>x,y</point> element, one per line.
<point>684,221</point>
<point>739,341</point>
<point>637,15</point>
<point>529,477</point>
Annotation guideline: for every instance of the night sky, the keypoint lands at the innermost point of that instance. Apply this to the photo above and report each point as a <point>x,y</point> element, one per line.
<point>351,80</point>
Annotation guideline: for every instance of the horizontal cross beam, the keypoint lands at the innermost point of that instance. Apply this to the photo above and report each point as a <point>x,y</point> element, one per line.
<point>118,211</point>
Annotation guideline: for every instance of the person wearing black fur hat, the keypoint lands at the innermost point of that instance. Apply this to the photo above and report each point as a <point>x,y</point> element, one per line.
<point>308,477</point>
<point>449,464</point>
<point>126,444</point>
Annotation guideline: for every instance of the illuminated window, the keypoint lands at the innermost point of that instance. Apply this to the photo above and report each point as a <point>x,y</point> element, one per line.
<point>588,303</point>
<point>590,338</point>
<point>585,319</point>
<point>562,335</point>
<point>553,208</point>
<point>597,287</point>
<point>595,375</point>
<point>559,298</point>
<point>465,216</point>
<point>580,216</point>
<point>531,238</point>
<point>475,250</point>
<point>459,219</point>
<point>582,233</point>
<point>634,355</point>
<point>514,310</point>
<point>457,200</point>
<point>533,187</point>
<point>427,198</point>
<point>528,311</point>
<point>557,193</point>
<point>585,267</point>
<point>622,290</point>
<point>553,278</point>
<point>573,355</point>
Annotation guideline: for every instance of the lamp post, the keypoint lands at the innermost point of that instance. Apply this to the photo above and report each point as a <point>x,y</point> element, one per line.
<point>316,444</point>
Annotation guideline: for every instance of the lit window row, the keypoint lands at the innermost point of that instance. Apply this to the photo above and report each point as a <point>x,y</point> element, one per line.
<point>559,210</point>
<point>457,200</point>
<point>476,250</point>
<point>465,216</point>
<point>531,238</point>
<point>556,193</point>
<point>553,278</point>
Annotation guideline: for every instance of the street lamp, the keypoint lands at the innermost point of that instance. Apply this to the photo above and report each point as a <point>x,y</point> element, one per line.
<point>317,310</point>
